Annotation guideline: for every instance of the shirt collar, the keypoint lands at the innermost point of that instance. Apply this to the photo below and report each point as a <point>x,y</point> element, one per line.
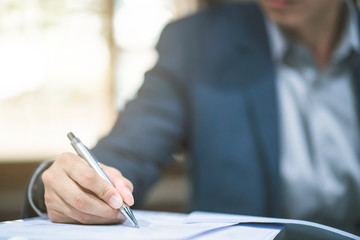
<point>350,37</point>
<point>353,25</point>
<point>279,45</point>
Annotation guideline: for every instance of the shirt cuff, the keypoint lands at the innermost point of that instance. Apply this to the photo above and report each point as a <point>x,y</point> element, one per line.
<point>36,190</point>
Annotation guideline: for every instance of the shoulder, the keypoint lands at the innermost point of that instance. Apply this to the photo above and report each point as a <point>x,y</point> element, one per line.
<point>194,44</point>
<point>235,14</point>
<point>219,21</point>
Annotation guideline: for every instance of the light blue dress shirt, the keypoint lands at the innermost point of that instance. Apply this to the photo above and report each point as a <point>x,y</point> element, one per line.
<point>319,165</point>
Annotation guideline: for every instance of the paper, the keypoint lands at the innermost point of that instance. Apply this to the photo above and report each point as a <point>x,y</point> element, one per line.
<point>234,229</point>
<point>308,230</point>
<point>243,232</point>
<point>153,225</point>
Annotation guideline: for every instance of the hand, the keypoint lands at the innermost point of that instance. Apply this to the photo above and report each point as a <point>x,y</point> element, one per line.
<point>75,193</point>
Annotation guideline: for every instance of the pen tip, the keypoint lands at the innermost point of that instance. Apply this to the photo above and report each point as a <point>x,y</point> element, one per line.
<point>126,211</point>
<point>136,225</point>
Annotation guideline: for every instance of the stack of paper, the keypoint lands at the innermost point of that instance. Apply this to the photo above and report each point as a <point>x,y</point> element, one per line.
<point>162,225</point>
<point>293,229</point>
<point>153,225</point>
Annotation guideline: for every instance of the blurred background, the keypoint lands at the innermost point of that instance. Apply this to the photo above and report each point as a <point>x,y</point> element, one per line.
<point>70,65</point>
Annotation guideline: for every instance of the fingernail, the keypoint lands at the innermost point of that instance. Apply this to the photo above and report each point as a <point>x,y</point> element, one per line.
<point>115,201</point>
<point>128,197</point>
<point>131,199</point>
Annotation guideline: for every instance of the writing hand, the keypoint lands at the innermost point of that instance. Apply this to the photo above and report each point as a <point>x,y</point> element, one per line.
<point>75,193</point>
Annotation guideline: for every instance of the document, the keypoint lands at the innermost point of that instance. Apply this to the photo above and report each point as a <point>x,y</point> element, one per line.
<point>152,225</point>
<point>171,226</point>
<point>295,229</point>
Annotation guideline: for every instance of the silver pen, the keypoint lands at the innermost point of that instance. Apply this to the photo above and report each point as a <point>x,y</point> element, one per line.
<point>85,153</point>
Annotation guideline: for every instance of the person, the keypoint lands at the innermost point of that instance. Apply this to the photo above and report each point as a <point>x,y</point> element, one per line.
<point>261,96</point>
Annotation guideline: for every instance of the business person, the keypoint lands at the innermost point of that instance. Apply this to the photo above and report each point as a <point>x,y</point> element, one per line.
<point>263,98</point>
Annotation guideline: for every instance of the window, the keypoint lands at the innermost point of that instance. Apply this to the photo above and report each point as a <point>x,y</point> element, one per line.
<point>55,63</point>
<point>68,65</point>
<point>137,26</point>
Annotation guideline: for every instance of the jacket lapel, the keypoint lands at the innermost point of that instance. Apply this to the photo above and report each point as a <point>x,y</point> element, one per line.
<point>264,113</point>
<point>356,67</point>
<point>248,73</point>
<point>263,106</point>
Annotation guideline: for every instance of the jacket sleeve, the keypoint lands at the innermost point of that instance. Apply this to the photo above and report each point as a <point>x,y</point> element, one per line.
<point>152,126</point>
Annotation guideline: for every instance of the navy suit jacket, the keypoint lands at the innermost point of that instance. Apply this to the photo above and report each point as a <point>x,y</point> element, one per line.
<point>212,93</point>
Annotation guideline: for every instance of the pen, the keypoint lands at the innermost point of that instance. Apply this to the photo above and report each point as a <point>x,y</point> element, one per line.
<point>85,153</point>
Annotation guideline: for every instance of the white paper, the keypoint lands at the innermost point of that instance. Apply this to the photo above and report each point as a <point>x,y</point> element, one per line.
<point>153,225</point>
<point>162,225</point>
<point>243,232</point>
<point>310,228</point>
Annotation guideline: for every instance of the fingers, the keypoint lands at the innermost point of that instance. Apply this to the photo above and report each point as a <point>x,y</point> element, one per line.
<point>87,178</point>
<point>74,196</point>
<point>71,215</point>
<point>74,193</point>
<point>123,185</point>
<point>59,217</point>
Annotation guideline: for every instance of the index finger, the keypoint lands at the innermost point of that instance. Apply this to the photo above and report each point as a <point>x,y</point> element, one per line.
<point>122,184</point>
